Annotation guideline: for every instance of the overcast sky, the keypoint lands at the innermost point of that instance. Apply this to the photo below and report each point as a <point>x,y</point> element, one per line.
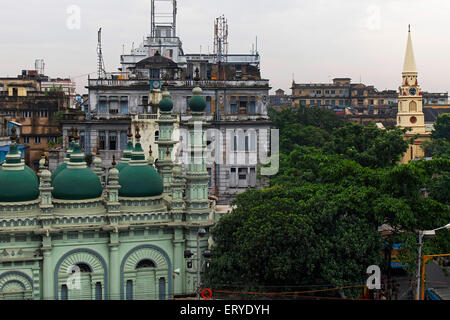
<point>310,40</point>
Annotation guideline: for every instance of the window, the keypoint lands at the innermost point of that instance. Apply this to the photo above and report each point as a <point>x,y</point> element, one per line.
<point>319,102</point>
<point>156,135</point>
<point>98,291</point>
<point>26,140</point>
<point>233,105</point>
<point>341,102</point>
<point>146,263</point>
<point>64,295</point>
<point>129,290</point>
<point>37,140</point>
<point>113,140</point>
<point>102,140</point>
<point>312,102</point>
<point>162,289</point>
<point>303,102</point>
<point>232,177</point>
<point>27,114</point>
<point>243,101</point>
<point>208,105</point>
<point>123,140</point>
<point>123,105</point>
<point>145,100</point>
<point>252,105</point>
<point>252,177</point>
<point>103,108</point>
<point>42,113</point>
<point>242,173</point>
<point>84,268</point>
<point>188,107</point>
<point>113,105</point>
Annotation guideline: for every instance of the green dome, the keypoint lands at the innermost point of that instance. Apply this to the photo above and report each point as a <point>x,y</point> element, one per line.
<point>121,165</point>
<point>197,104</point>
<point>138,181</point>
<point>18,186</point>
<point>166,105</point>
<point>58,169</point>
<point>76,181</point>
<point>33,174</point>
<point>18,182</point>
<point>76,184</point>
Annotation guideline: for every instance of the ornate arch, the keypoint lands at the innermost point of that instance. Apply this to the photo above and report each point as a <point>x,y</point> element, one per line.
<point>18,279</point>
<point>151,252</point>
<point>90,257</point>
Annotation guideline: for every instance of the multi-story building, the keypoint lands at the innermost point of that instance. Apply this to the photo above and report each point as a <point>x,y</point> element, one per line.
<point>235,92</point>
<point>280,99</point>
<point>64,237</point>
<point>34,114</point>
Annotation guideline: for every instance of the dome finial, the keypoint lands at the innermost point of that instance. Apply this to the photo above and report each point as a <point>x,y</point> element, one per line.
<point>114,161</point>
<point>130,135</point>
<point>138,135</point>
<point>13,135</point>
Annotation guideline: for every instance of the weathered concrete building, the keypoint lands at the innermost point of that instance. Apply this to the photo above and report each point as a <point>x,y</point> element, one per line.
<point>235,92</point>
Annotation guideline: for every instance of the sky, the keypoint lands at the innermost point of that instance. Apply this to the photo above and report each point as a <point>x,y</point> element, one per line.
<point>307,40</point>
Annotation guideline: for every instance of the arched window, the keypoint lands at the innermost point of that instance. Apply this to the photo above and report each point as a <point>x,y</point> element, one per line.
<point>412,106</point>
<point>146,263</point>
<point>64,295</point>
<point>84,268</point>
<point>98,291</point>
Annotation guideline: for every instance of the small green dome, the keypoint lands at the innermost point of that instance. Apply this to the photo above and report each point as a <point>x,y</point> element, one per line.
<point>138,181</point>
<point>166,104</point>
<point>76,184</point>
<point>197,103</point>
<point>76,181</point>
<point>18,185</point>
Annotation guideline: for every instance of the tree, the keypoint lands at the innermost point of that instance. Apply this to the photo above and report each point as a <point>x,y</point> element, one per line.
<point>318,222</point>
<point>442,127</point>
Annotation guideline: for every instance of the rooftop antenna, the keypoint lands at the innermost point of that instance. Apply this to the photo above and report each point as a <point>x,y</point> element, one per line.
<point>221,40</point>
<point>167,19</point>
<point>100,62</point>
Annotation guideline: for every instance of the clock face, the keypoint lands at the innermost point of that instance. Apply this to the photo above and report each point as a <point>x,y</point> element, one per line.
<point>412,91</point>
<point>156,85</point>
<point>413,120</point>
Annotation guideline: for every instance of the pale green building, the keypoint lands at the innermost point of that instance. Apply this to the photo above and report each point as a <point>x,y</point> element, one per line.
<point>64,236</point>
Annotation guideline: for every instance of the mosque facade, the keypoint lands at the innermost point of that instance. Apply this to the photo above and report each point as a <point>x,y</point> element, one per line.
<point>63,236</point>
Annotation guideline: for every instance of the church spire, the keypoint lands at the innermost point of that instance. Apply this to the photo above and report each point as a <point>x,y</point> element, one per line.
<point>409,65</point>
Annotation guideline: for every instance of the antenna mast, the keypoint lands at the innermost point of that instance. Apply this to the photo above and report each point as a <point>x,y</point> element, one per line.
<point>221,40</point>
<point>162,17</point>
<point>100,62</point>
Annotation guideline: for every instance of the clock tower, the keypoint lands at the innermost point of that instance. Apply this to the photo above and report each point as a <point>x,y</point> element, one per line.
<point>410,112</point>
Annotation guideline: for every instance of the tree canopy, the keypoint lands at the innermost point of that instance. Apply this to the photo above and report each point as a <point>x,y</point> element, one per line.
<point>318,222</point>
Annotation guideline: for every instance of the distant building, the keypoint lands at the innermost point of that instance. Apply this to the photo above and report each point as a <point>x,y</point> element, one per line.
<point>280,99</point>
<point>32,112</point>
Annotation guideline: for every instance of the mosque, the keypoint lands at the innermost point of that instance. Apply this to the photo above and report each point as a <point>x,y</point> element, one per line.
<point>65,236</point>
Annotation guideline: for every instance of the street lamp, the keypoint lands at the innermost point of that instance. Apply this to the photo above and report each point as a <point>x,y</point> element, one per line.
<point>419,258</point>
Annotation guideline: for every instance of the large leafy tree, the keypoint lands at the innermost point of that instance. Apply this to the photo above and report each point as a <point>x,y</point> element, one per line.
<point>318,222</point>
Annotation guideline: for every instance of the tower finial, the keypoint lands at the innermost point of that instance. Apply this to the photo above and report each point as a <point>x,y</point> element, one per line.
<point>409,28</point>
